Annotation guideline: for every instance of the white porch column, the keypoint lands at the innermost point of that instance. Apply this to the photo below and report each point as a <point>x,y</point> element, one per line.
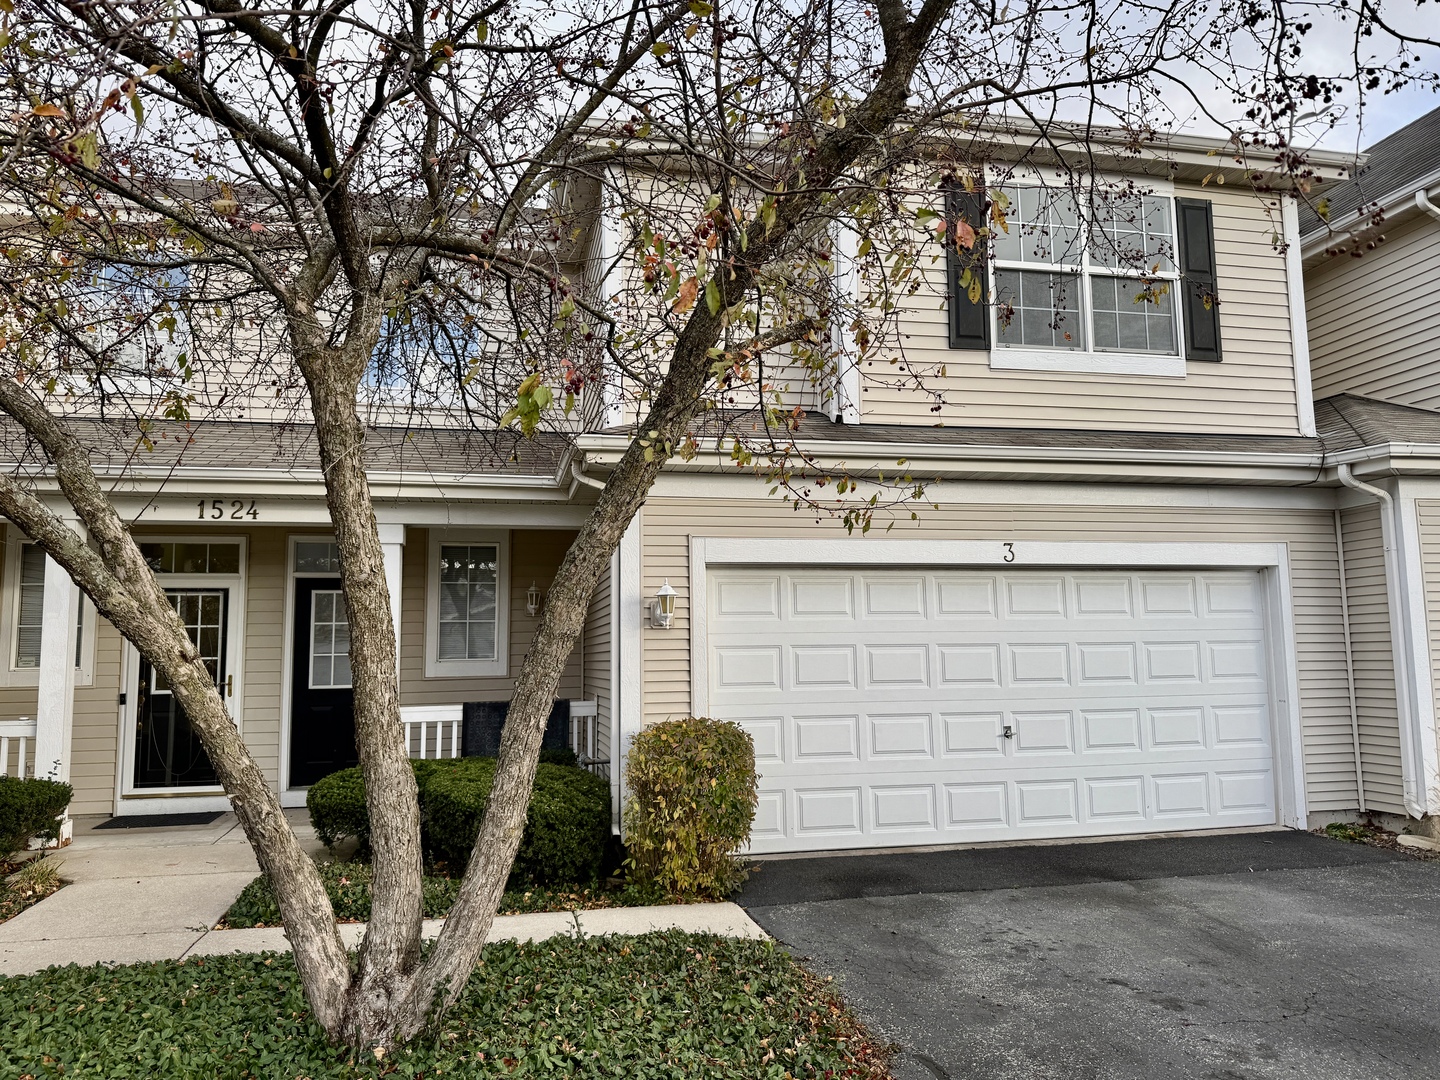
<point>55,698</point>
<point>392,542</point>
<point>626,657</point>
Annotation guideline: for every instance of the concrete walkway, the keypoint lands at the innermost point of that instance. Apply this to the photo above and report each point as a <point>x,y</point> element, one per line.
<point>154,894</point>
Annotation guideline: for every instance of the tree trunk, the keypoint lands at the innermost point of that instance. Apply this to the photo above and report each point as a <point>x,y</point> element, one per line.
<point>391,947</point>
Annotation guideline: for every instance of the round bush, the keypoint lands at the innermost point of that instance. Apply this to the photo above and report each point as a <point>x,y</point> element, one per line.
<point>337,808</point>
<point>565,830</point>
<point>30,808</point>
<point>693,792</point>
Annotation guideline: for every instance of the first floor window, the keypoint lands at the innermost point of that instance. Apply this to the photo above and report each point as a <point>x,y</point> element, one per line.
<point>30,612</point>
<point>469,602</point>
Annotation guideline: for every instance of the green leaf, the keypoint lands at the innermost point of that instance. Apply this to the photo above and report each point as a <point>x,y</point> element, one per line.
<point>712,296</point>
<point>699,8</point>
<point>660,48</point>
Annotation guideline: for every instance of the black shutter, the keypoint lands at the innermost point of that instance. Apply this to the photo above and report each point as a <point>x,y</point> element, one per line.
<point>1199,300</point>
<point>969,322</point>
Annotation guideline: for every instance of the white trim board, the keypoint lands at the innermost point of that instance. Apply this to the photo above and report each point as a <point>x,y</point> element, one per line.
<point>1028,493</point>
<point>1272,560</point>
<point>1299,325</point>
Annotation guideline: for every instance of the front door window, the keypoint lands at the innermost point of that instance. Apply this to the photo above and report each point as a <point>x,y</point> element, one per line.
<point>168,752</point>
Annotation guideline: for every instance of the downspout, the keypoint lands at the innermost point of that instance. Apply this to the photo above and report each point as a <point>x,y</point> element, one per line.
<point>578,474</point>
<point>1399,636</point>
<point>1349,662</point>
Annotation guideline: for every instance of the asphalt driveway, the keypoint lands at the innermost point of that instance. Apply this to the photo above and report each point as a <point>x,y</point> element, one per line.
<point>1274,954</point>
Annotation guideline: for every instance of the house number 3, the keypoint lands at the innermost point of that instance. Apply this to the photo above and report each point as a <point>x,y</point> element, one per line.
<point>235,509</point>
<point>1009,552</point>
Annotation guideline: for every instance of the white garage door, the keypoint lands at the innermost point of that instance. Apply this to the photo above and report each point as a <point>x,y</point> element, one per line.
<point>897,707</point>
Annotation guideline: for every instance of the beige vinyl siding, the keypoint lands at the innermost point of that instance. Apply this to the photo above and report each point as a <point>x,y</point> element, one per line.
<point>1374,661</point>
<point>94,745</point>
<point>597,679</point>
<point>668,525</point>
<point>1251,391</point>
<point>1428,511</point>
<point>263,660</point>
<point>1375,320</point>
<point>534,556</point>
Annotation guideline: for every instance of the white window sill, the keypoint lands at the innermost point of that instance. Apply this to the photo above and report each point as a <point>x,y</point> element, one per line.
<point>467,669</point>
<point>1088,363</point>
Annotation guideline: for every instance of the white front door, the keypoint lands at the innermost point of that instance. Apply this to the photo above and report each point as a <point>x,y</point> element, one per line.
<point>894,707</point>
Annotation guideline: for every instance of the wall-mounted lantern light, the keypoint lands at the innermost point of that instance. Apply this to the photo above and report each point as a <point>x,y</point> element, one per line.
<point>532,600</point>
<point>662,608</point>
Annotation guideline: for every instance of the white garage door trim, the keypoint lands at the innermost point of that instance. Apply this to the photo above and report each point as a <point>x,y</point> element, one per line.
<point>1271,560</point>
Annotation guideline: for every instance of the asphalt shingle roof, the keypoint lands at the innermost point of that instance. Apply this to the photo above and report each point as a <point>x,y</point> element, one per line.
<point>218,445</point>
<point>1392,164</point>
<point>1348,421</point>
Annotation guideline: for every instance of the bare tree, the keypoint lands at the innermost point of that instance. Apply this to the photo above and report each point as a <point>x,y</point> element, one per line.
<point>349,212</point>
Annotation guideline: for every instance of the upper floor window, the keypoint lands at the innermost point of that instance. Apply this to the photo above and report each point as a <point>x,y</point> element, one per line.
<point>1113,282</point>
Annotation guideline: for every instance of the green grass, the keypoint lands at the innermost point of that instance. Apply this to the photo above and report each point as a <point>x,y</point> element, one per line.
<point>667,1005</point>
<point>348,884</point>
<point>25,885</point>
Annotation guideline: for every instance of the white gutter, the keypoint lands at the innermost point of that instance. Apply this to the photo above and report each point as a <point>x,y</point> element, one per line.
<point>1400,644</point>
<point>579,475</point>
<point>1414,194</point>
<point>1422,200</point>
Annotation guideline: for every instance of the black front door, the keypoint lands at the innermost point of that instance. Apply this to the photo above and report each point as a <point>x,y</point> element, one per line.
<point>167,750</point>
<point>322,719</point>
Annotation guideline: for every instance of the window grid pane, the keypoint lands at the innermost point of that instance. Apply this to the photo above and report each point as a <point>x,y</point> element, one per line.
<point>1133,315</point>
<point>468,608</point>
<point>329,641</point>
<point>1039,310</point>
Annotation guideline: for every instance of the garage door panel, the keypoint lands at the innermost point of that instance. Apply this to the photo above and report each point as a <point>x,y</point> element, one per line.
<point>900,707</point>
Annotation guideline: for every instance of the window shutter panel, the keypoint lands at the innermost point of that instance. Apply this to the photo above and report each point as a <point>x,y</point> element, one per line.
<point>969,322</point>
<point>1199,303</point>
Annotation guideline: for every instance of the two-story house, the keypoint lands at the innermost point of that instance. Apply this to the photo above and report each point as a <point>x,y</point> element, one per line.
<point>1137,595</point>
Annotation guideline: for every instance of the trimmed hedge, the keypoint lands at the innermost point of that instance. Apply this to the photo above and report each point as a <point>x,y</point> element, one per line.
<point>30,808</point>
<point>693,792</point>
<point>565,833</point>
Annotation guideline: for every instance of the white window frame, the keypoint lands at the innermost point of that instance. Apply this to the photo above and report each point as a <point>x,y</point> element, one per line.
<point>435,668</point>
<point>10,675</point>
<point>1088,359</point>
<point>339,594</point>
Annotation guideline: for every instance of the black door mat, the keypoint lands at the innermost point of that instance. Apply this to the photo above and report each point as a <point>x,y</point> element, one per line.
<point>159,821</point>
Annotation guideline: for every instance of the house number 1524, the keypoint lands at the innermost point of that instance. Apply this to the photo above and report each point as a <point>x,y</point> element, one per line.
<point>234,509</point>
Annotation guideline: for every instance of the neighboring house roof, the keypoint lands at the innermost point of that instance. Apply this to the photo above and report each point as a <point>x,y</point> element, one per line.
<point>1395,164</point>
<point>212,445</point>
<point>1348,421</point>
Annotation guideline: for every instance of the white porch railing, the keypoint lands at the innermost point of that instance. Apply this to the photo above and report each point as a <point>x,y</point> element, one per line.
<point>21,735</point>
<point>585,736</point>
<point>432,731</point>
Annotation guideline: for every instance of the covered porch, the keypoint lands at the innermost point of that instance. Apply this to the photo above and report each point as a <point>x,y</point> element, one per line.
<point>255,578</point>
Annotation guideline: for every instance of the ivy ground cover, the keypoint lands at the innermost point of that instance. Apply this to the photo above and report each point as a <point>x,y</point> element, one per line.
<point>664,1005</point>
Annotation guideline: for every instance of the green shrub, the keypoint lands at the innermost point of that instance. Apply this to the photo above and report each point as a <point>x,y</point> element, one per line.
<point>29,809</point>
<point>692,800</point>
<point>565,833</point>
<point>565,830</point>
<point>337,808</point>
